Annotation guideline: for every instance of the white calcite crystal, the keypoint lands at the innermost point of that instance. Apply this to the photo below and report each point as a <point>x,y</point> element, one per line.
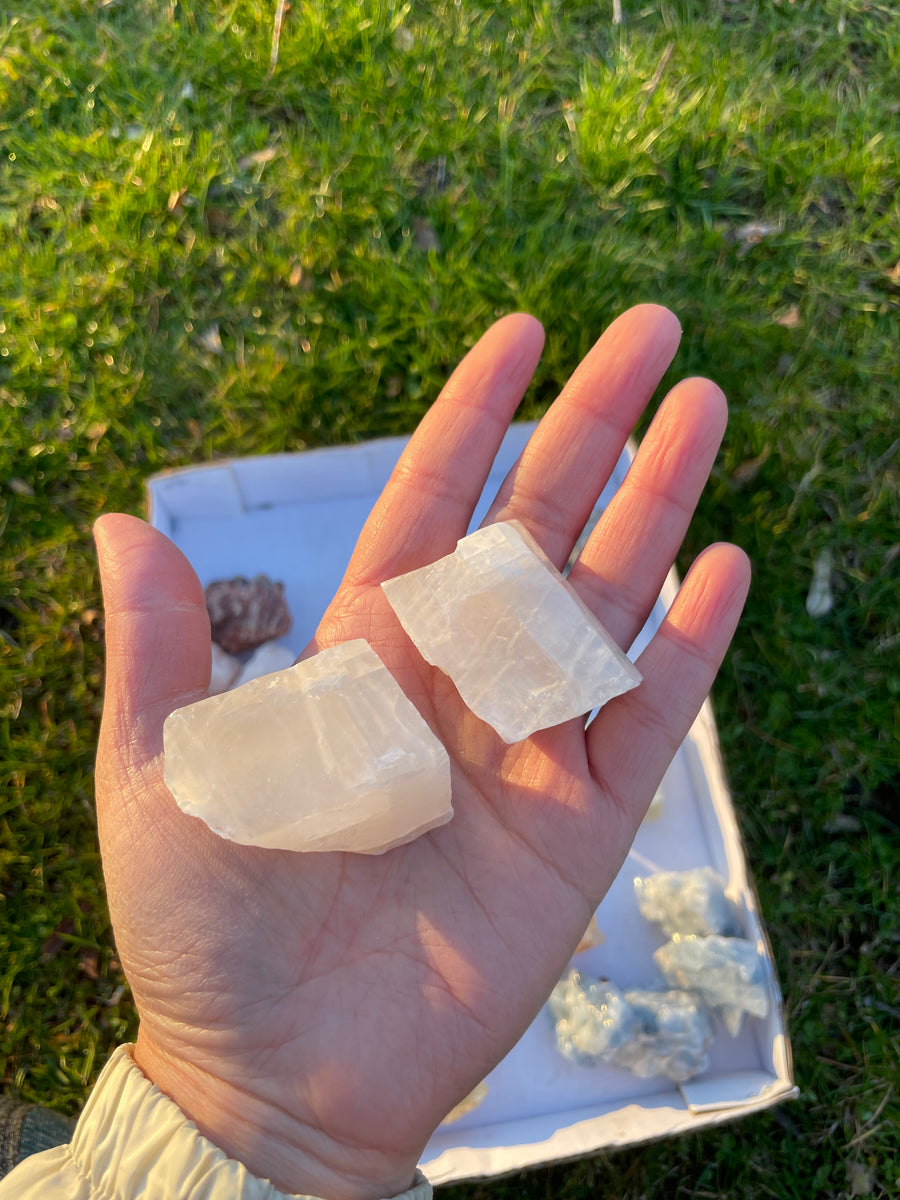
<point>523,649</point>
<point>687,902</point>
<point>326,755</point>
<point>727,973</point>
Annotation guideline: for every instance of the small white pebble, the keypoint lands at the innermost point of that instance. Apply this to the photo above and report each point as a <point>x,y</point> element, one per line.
<point>820,600</point>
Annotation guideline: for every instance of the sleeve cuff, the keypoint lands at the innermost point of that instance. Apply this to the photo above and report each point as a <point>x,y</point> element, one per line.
<point>133,1141</point>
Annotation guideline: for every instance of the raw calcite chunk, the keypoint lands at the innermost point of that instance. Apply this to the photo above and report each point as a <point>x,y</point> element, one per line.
<point>326,755</point>
<point>522,648</point>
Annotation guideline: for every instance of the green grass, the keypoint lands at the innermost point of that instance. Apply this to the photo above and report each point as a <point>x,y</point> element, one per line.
<point>349,225</point>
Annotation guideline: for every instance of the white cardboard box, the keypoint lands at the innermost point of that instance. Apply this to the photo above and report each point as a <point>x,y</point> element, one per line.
<point>296,517</point>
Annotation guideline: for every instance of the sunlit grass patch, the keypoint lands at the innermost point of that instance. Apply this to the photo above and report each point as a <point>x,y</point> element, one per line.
<point>202,256</point>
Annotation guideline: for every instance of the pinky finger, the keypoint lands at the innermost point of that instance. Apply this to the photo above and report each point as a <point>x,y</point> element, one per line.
<point>633,740</point>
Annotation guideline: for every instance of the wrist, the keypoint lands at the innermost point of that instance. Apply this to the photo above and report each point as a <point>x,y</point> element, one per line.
<point>288,1149</point>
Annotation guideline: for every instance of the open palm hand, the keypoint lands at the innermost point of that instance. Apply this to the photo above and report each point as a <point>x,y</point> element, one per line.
<point>316,1015</point>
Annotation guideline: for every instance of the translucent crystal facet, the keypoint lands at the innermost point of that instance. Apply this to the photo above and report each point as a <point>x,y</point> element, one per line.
<point>687,902</point>
<point>522,648</point>
<point>727,974</point>
<point>326,755</point>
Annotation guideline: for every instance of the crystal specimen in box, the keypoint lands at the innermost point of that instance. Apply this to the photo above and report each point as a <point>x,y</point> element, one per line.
<point>523,649</point>
<point>244,613</point>
<point>654,811</point>
<point>467,1104</point>
<point>224,670</point>
<point>327,755</point>
<point>645,1032</point>
<point>727,974</point>
<point>593,1019</point>
<point>265,659</point>
<point>673,1038</point>
<point>687,902</point>
<point>593,936</point>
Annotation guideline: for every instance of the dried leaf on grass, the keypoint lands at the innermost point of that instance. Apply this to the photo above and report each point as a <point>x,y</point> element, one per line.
<point>211,341</point>
<point>425,236</point>
<point>748,470</point>
<point>820,599</point>
<point>790,318</point>
<point>754,232</point>
<point>177,200</point>
<point>258,158</point>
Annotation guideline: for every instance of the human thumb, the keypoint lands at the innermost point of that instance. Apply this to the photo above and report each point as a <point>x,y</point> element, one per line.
<point>157,644</point>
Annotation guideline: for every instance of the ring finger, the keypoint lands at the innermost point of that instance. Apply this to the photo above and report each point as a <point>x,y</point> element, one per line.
<point>622,567</point>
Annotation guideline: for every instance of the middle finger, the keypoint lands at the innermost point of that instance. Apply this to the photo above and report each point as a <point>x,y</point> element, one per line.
<point>556,481</point>
<point>622,567</point>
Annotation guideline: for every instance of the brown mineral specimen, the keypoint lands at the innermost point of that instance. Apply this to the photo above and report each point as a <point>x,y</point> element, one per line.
<point>244,613</point>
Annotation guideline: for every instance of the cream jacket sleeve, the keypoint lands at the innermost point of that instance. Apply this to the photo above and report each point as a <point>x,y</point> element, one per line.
<point>132,1141</point>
